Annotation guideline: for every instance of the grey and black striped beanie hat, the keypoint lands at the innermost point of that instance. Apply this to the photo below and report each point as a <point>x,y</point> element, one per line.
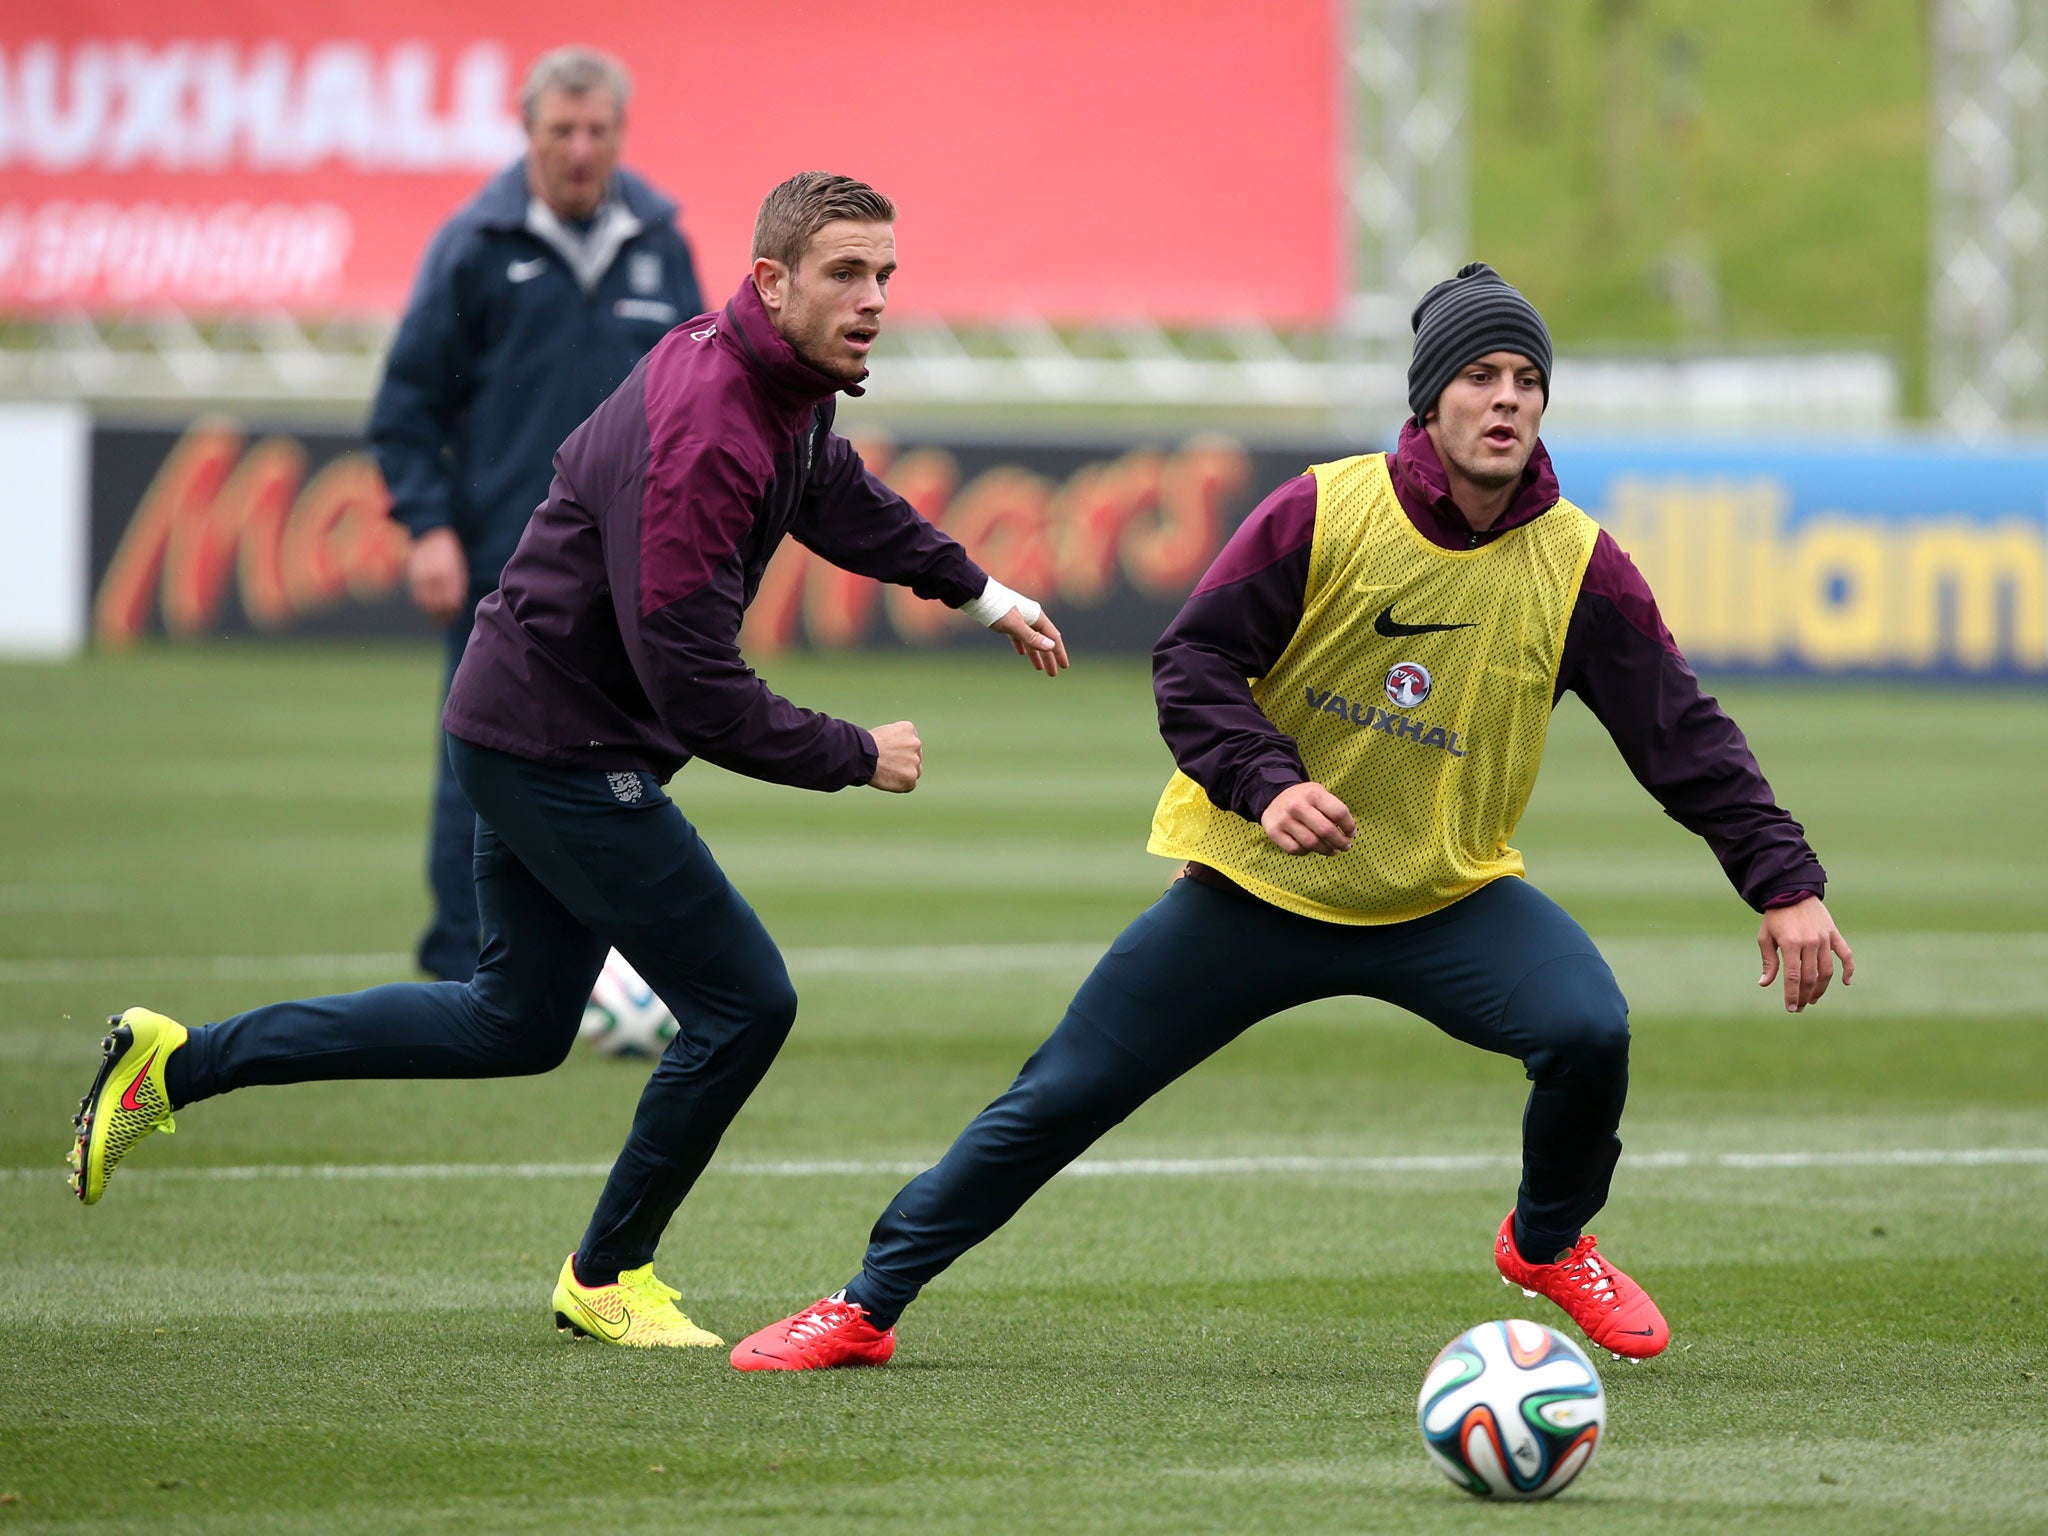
<point>1466,317</point>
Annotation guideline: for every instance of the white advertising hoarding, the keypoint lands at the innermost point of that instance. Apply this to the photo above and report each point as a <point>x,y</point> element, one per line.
<point>44,521</point>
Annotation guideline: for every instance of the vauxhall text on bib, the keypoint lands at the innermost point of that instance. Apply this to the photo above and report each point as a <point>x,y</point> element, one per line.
<point>1419,689</point>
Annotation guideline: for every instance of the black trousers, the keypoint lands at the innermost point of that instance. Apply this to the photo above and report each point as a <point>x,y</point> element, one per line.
<point>567,865</point>
<point>1506,969</point>
<point>449,944</point>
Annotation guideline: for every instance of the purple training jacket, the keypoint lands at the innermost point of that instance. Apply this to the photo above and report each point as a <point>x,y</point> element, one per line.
<point>613,640</point>
<point>1618,658</point>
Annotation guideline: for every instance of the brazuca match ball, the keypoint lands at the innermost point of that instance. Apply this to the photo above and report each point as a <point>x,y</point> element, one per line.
<point>1511,1410</point>
<point>623,1016</point>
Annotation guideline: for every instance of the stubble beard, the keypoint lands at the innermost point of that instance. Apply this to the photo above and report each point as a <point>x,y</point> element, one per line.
<point>844,369</point>
<point>809,339</point>
<point>1490,477</point>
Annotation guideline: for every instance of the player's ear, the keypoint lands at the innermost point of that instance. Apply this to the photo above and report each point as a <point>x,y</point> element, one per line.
<point>771,281</point>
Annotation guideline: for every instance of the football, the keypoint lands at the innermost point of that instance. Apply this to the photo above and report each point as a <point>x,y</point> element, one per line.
<point>623,1016</point>
<point>1511,1410</point>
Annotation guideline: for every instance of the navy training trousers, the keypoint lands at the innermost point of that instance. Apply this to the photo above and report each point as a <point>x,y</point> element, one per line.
<point>449,944</point>
<point>1505,969</point>
<point>567,864</point>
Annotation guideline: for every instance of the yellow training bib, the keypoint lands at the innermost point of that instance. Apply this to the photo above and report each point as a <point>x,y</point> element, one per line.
<point>1419,689</point>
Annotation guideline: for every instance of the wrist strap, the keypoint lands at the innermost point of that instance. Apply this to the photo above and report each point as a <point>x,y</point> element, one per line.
<point>997,600</point>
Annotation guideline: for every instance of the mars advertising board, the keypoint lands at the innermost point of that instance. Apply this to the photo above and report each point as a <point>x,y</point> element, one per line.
<point>227,528</point>
<point>1764,558</point>
<point>1062,159</point>
<point>216,529</point>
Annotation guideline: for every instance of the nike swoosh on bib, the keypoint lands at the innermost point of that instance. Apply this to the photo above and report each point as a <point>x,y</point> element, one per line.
<point>520,271</point>
<point>1387,625</point>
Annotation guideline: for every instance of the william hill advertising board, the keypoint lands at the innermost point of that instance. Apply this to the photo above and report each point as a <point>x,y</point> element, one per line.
<point>1867,560</point>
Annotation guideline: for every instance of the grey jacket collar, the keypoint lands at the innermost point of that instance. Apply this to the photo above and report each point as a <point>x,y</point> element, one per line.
<point>589,255</point>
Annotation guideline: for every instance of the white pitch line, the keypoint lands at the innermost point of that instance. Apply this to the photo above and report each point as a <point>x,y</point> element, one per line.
<point>856,959</point>
<point>1102,1167</point>
<point>842,960</point>
<point>393,966</point>
<point>1945,975</point>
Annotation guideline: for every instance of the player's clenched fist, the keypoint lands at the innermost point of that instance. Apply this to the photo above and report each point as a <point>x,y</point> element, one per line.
<point>899,757</point>
<point>1307,818</point>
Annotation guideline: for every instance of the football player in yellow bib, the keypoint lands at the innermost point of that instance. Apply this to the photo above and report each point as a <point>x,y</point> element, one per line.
<point>1357,695</point>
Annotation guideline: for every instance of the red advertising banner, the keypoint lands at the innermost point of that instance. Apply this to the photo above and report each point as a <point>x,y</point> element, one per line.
<point>1167,158</point>
<point>220,528</point>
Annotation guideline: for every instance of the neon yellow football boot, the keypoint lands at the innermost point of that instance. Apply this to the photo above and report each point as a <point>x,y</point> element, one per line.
<point>637,1311</point>
<point>126,1101</point>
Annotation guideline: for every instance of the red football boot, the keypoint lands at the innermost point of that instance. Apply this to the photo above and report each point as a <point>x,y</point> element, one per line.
<point>1616,1313</point>
<point>825,1334</point>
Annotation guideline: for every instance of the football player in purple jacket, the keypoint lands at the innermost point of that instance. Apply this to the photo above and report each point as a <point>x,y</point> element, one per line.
<point>608,658</point>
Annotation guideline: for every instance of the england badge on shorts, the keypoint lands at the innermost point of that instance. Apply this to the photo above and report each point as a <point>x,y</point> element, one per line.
<point>1407,684</point>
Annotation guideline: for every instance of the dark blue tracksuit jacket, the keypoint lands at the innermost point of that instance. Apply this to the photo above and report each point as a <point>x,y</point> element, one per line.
<point>502,353</point>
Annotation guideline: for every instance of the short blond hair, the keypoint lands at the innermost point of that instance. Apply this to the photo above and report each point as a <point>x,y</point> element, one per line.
<point>805,204</point>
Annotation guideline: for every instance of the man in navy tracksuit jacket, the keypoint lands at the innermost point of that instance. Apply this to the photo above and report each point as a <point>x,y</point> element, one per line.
<point>534,301</point>
<point>608,658</point>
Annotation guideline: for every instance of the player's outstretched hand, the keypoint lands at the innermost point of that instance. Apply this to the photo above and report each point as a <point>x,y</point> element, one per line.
<point>1040,641</point>
<point>899,757</point>
<point>1809,941</point>
<point>1307,818</point>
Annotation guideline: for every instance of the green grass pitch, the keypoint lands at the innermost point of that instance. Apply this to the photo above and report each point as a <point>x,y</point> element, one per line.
<point>236,1341</point>
<point>1708,173</point>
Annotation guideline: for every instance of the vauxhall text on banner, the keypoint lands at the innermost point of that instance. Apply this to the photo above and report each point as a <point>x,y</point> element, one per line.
<point>229,155</point>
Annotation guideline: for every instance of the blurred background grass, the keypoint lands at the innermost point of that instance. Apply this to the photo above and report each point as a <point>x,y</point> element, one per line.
<point>1706,173</point>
